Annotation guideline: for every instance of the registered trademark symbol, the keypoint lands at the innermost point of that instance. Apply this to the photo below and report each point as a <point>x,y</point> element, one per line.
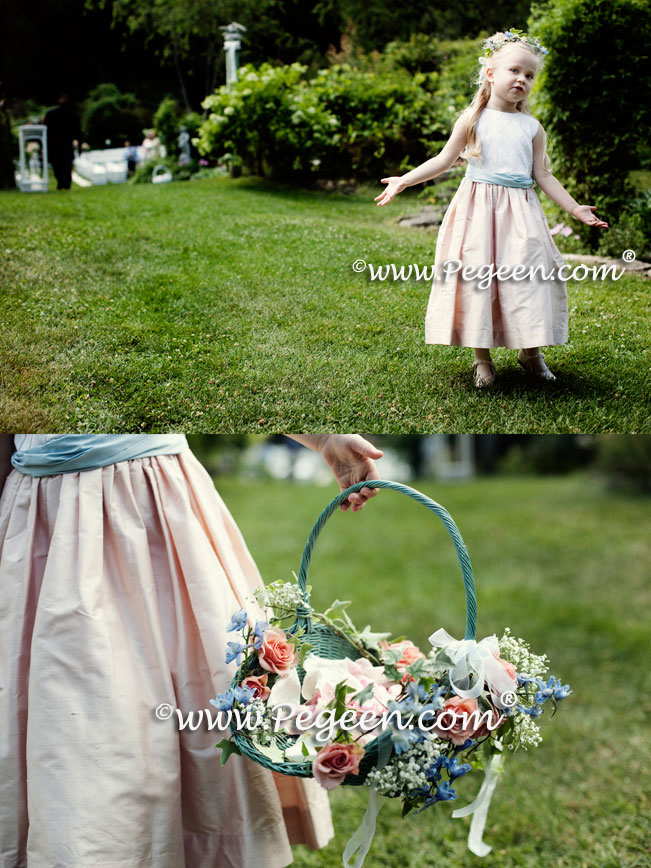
<point>628,255</point>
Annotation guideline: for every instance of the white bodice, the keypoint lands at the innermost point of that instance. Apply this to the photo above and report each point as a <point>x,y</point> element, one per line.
<point>506,142</point>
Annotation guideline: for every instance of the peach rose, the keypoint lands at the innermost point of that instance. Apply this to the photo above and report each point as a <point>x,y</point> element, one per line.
<point>509,668</point>
<point>258,685</point>
<point>410,653</point>
<point>277,654</point>
<point>335,761</point>
<point>463,728</point>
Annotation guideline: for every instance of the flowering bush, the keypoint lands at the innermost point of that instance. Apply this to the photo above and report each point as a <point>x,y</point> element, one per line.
<point>435,716</point>
<point>344,122</point>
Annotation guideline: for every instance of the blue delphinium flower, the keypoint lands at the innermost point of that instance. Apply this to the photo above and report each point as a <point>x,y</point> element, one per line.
<point>258,632</point>
<point>534,711</point>
<point>416,691</point>
<point>234,651</point>
<point>546,690</point>
<point>242,694</point>
<point>444,792</point>
<point>434,771</point>
<point>223,701</point>
<point>455,770</point>
<point>403,739</point>
<point>237,622</point>
<point>468,743</point>
<point>561,691</point>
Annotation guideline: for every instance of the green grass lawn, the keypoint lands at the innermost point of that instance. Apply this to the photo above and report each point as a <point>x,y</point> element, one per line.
<point>562,562</point>
<point>228,306</point>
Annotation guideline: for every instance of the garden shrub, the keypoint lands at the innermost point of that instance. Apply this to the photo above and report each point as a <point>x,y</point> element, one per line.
<point>421,53</point>
<point>593,98</point>
<point>109,115</point>
<point>344,122</point>
<point>144,172</point>
<point>166,124</point>
<point>625,461</point>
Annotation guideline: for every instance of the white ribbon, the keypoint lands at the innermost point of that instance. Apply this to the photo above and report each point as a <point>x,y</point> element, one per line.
<point>362,838</point>
<point>479,808</point>
<point>472,663</point>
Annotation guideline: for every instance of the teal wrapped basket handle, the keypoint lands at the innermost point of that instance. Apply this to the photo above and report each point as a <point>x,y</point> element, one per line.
<point>329,644</point>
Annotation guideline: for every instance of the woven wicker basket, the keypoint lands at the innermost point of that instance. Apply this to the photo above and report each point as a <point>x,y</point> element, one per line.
<point>331,645</point>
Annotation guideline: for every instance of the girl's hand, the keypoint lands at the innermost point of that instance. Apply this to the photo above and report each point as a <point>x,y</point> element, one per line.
<point>585,215</point>
<point>395,186</point>
<point>352,459</point>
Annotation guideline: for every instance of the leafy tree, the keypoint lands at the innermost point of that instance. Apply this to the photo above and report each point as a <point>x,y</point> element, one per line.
<point>595,96</point>
<point>108,114</point>
<point>187,31</point>
<point>374,23</point>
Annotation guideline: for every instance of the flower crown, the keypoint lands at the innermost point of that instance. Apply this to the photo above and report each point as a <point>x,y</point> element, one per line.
<point>495,42</point>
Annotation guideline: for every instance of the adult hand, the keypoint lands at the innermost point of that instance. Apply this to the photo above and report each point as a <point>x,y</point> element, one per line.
<point>352,459</point>
<point>394,186</point>
<point>585,215</point>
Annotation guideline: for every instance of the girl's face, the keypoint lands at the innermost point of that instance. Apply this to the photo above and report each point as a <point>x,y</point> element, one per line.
<point>512,74</point>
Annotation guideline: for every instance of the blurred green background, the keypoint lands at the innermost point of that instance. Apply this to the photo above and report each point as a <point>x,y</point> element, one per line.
<point>561,558</point>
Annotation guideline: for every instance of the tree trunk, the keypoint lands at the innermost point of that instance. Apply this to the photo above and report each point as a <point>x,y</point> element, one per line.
<point>177,66</point>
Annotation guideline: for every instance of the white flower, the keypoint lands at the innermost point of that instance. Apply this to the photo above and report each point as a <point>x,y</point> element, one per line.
<point>517,651</point>
<point>229,110</point>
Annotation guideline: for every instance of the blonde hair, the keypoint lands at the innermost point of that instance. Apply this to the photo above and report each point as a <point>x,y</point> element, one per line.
<point>481,98</point>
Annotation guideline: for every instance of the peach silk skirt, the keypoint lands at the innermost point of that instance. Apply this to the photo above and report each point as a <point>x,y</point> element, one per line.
<point>490,224</point>
<point>116,587</point>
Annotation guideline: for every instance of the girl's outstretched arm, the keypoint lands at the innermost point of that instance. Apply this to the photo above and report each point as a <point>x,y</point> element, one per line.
<point>431,168</point>
<point>556,191</point>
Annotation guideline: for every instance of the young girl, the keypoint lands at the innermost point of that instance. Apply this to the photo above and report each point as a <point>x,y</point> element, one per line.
<point>120,568</point>
<point>495,220</point>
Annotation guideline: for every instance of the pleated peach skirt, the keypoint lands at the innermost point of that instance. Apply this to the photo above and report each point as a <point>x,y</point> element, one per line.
<point>116,586</point>
<point>505,226</point>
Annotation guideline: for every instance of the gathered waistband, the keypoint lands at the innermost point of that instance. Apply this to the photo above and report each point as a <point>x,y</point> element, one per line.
<point>69,453</point>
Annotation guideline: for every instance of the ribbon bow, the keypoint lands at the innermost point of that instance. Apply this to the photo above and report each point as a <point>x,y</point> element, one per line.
<point>472,663</point>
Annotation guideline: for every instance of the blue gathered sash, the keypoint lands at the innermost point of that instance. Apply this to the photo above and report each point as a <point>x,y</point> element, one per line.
<point>69,453</point>
<point>503,178</point>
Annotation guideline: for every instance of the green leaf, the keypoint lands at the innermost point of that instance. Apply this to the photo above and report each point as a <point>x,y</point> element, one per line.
<point>341,691</point>
<point>304,650</point>
<point>406,808</point>
<point>337,609</point>
<point>227,748</point>
<point>417,668</point>
<point>372,640</point>
<point>443,660</point>
<point>364,694</point>
<point>391,672</point>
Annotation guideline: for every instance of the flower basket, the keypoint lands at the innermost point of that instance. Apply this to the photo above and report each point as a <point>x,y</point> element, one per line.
<point>361,710</point>
<point>330,644</point>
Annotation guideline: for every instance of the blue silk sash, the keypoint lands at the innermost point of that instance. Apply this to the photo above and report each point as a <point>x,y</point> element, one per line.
<point>69,453</point>
<point>503,178</point>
